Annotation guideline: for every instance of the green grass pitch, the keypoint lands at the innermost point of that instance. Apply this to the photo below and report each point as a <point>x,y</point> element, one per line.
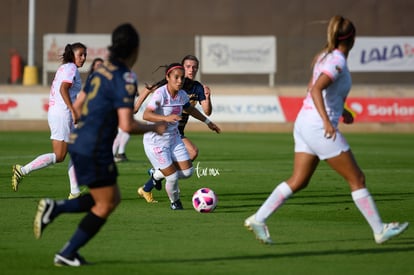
<point>318,231</point>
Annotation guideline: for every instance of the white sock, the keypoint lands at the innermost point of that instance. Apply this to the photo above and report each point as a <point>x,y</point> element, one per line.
<point>115,145</point>
<point>74,187</point>
<point>123,141</point>
<point>367,207</point>
<point>279,195</point>
<point>171,186</point>
<point>158,175</point>
<point>39,163</point>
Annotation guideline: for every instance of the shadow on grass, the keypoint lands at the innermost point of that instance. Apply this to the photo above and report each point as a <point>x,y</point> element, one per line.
<point>266,256</point>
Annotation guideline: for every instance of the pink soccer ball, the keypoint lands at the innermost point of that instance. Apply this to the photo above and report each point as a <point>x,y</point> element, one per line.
<point>204,200</point>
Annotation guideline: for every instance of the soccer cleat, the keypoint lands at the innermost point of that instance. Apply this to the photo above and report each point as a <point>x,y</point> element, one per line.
<point>157,183</point>
<point>259,229</point>
<point>83,190</point>
<point>177,205</point>
<point>17,176</point>
<point>42,218</point>
<point>76,260</point>
<point>120,158</point>
<point>389,231</point>
<point>74,196</point>
<point>146,195</point>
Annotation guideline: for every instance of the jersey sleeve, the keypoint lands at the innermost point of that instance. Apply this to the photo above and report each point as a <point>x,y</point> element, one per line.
<point>333,66</point>
<point>156,99</point>
<point>69,73</point>
<point>125,90</point>
<point>199,89</point>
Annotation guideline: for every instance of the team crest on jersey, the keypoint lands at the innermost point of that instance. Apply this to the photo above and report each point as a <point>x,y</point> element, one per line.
<point>130,88</point>
<point>338,69</point>
<point>129,77</point>
<point>130,80</point>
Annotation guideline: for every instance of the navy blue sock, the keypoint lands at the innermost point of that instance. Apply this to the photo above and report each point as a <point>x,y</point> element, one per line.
<point>88,227</point>
<point>81,204</point>
<point>149,185</point>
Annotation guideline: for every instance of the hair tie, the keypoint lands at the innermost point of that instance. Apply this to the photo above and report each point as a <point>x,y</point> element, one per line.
<point>173,68</point>
<point>346,36</point>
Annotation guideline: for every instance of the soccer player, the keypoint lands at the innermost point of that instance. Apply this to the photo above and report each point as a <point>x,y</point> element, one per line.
<point>197,92</point>
<point>167,153</point>
<point>119,146</point>
<point>317,137</point>
<point>61,117</point>
<point>106,104</point>
<point>96,63</point>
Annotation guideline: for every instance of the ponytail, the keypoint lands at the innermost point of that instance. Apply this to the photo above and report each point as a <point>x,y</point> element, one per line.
<point>340,30</point>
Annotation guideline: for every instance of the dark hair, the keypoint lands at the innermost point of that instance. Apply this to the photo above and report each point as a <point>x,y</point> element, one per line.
<point>91,68</point>
<point>190,57</point>
<point>125,39</point>
<point>69,55</point>
<point>189,83</point>
<point>168,70</point>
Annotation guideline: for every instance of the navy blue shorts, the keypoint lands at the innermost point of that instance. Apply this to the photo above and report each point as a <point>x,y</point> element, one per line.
<point>94,171</point>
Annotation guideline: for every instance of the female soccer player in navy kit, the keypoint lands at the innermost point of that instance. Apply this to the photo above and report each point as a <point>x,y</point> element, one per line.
<point>197,92</point>
<point>317,137</point>
<point>106,104</point>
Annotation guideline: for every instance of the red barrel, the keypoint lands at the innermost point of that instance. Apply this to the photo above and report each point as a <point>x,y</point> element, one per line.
<point>15,67</point>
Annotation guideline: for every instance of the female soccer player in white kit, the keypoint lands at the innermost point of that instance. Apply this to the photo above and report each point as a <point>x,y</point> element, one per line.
<point>61,116</point>
<point>167,153</point>
<point>317,137</point>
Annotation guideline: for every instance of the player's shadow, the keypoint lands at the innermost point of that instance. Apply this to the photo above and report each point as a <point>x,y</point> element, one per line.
<point>276,255</point>
<point>303,200</point>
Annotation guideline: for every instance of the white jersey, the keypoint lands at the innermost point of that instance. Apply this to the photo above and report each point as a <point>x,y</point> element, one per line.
<point>333,65</point>
<point>68,73</point>
<point>309,133</point>
<point>162,103</point>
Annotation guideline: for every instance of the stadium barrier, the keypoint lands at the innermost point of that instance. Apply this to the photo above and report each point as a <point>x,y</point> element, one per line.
<point>240,108</point>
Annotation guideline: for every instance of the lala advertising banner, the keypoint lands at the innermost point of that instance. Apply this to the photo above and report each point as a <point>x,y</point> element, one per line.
<point>382,54</point>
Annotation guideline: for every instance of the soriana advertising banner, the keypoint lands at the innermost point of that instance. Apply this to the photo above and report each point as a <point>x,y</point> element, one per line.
<point>365,109</point>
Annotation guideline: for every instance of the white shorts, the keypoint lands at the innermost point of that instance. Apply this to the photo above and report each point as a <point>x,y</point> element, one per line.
<point>311,139</point>
<point>60,126</point>
<point>163,151</point>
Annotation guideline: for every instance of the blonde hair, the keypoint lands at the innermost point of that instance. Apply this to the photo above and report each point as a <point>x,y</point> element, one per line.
<point>340,31</point>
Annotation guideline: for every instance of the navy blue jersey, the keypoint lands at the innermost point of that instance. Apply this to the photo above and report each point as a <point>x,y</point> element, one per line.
<point>111,87</point>
<point>195,92</point>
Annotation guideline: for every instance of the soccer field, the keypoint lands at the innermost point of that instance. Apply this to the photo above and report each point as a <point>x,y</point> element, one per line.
<point>318,231</point>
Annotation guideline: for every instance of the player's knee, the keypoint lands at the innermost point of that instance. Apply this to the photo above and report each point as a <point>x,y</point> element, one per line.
<point>186,173</point>
<point>358,182</point>
<point>192,151</point>
<point>193,154</point>
<point>106,208</point>
<point>60,157</point>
